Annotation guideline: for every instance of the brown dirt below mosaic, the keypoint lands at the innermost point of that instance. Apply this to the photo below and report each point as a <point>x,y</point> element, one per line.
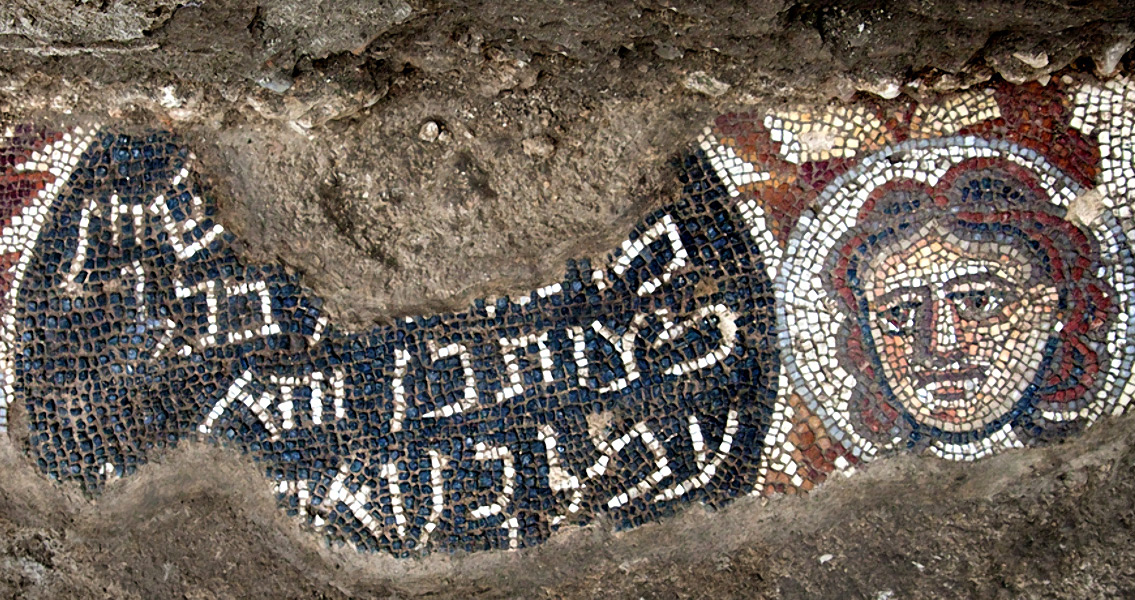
<point>1052,522</point>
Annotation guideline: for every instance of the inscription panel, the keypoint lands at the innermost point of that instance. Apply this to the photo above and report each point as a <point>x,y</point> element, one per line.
<point>483,429</point>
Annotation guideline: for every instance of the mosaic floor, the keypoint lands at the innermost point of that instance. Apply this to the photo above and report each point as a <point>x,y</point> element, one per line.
<point>835,285</point>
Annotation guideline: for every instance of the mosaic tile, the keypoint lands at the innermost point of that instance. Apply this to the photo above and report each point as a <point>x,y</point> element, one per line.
<point>835,284</point>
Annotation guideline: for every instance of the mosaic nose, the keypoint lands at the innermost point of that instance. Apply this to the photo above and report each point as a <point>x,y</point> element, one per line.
<point>940,337</point>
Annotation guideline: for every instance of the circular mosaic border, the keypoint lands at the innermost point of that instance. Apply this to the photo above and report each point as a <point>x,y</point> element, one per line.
<point>808,319</point>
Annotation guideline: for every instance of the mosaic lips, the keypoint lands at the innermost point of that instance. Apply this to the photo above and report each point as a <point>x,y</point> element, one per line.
<point>954,379</point>
<point>950,393</point>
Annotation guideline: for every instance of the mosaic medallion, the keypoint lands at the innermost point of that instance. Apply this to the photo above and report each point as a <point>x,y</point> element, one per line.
<point>965,311</point>
<point>952,277</point>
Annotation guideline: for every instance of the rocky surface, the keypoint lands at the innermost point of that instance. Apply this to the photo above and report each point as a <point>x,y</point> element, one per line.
<point>409,155</point>
<point>554,121</point>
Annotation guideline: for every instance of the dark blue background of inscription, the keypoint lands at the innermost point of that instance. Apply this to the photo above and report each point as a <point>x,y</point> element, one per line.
<point>95,394</point>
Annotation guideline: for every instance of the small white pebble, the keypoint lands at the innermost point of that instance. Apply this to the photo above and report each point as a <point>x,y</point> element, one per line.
<point>429,132</point>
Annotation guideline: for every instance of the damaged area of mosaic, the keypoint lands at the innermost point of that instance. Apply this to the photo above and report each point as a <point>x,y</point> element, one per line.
<point>835,284</point>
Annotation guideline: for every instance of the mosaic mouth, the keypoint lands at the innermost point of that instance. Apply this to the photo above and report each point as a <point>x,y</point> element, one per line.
<point>835,284</point>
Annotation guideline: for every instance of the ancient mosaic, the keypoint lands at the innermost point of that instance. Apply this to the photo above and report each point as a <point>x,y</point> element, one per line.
<point>951,277</point>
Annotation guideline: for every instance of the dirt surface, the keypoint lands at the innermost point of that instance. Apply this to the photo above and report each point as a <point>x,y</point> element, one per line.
<point>1051,523</point>
<point>407,156</point>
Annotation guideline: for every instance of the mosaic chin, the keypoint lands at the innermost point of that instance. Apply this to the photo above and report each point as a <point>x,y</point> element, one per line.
<point>953,276</point>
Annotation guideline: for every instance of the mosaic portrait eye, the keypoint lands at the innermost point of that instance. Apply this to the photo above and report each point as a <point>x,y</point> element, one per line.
<point>899,318</point>
<point>979,305</point>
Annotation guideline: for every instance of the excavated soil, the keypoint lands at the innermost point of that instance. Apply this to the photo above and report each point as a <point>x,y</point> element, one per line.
<point>406,156</point>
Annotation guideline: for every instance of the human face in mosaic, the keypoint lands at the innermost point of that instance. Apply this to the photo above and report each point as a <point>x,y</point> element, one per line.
<point>960,327</point>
